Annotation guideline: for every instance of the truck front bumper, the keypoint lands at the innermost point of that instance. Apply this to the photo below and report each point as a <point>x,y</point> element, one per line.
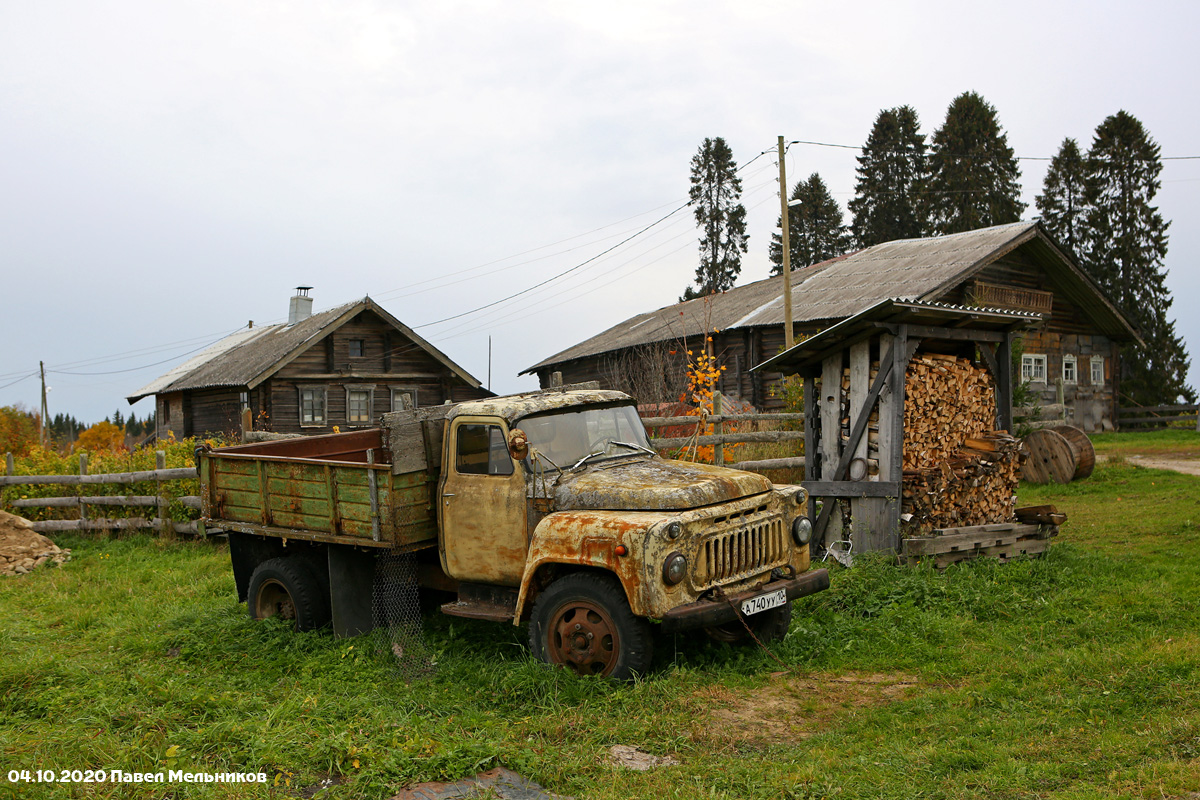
<point>705,613</point>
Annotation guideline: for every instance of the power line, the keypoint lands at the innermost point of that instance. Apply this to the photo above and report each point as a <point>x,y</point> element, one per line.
<point>967,155</point>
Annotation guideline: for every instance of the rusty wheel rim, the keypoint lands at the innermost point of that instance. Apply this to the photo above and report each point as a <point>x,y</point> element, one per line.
<point>583,638</point>
<point>274,601</point>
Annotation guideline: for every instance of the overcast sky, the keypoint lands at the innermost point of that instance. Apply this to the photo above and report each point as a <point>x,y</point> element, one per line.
<point>171,171</point>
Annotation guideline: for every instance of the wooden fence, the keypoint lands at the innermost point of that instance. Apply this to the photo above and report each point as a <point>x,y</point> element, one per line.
<point>719,438</point>
<point>1158,416</point>
<point>84,503</point>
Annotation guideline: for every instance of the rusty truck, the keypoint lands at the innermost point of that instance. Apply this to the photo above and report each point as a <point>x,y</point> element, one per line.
<point>548,507</point>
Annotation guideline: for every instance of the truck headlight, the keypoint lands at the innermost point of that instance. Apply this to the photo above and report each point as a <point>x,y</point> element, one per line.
<point>802,530</point>
<point>674,568</point>
<point>673,529</point>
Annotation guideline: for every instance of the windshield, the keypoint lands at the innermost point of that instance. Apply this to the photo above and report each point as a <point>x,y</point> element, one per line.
<point>564,437</point>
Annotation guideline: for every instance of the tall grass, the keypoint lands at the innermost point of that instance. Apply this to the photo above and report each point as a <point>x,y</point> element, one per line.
<point>1072,676</point>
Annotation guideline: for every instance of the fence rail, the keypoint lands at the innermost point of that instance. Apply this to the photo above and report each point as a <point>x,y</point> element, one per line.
<point>1154,416</point>
<point>718,439</point>
<point>159,501</point>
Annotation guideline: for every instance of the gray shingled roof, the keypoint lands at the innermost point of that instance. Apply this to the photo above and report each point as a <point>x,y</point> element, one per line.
<point>908,269</point>
<point>249,357</point>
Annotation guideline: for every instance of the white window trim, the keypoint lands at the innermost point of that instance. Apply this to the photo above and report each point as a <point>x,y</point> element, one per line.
<point>411,390</point>
<point>1094,362</point>
<point>324,420</point>
<point>1029,363</point>
<point>369,388</point>
<point>1074,362</point>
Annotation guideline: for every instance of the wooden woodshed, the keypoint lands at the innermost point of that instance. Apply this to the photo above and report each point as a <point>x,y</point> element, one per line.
<point>855,376</point>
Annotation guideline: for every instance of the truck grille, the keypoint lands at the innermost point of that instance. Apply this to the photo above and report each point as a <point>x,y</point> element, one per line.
<point>744,549</point>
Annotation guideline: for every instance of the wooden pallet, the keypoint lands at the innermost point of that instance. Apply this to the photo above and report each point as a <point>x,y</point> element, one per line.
<point>1003,541</point>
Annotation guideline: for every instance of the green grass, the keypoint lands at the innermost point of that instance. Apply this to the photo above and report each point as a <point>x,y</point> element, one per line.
<point>1072,676</point>
<point>1164,441</point>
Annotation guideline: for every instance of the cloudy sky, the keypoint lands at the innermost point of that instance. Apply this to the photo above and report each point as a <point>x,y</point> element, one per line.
<point>171,171</point>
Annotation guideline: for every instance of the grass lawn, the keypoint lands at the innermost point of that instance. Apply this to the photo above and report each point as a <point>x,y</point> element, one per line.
<point>1181,442</point>
<point>1073,676</point>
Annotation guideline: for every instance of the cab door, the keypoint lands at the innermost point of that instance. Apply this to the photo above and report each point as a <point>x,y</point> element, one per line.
<point>482,504</point>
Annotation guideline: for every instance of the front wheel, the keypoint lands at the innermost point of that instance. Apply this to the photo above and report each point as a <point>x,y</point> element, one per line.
<point>288,588</point>
<point>583,622</point>
<point>769,626</point>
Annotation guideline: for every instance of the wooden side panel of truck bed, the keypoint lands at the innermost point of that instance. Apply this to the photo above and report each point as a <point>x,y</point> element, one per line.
<point>270,491</point>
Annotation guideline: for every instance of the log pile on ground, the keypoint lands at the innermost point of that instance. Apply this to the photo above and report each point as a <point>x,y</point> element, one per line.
<point>22,549</point>
<point>958,471</point>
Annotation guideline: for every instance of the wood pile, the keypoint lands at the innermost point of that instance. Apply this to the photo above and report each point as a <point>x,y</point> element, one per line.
<point>958,471</point>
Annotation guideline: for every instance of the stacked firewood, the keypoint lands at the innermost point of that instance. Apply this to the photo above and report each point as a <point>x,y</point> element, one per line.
<point>957,470</point>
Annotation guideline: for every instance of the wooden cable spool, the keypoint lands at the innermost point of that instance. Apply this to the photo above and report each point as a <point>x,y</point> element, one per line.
<point>1057,455</point>
<point>1085,454</point>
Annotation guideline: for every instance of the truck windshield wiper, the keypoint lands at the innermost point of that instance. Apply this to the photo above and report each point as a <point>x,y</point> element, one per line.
<point>633,446</point>
<point>584,460</point>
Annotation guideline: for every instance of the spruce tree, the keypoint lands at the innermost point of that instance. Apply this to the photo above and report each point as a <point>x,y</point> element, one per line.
<point>891,171</point>
<point>815,229</point>
<point>1061,201</point>
<point>715,195</point>
<point>1124,247</point>
<point>973,174</point>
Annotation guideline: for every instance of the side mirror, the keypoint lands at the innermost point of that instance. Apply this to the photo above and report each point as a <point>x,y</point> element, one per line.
<point>518,444</point>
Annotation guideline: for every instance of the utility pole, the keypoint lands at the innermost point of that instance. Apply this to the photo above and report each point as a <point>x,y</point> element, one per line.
<point>787,252</point>
<point>42,422</point>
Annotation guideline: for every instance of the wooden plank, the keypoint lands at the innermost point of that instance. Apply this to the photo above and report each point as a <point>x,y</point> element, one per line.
<point>130,523</point>
<point>852,488</point>
<point>1154,409</point>
<point>115,477</point>
<point>98,500</point>
<point>860,380</point>
<point>662,422</point>
<point>730,438</point>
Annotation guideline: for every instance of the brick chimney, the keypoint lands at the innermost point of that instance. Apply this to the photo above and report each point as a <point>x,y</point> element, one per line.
<point>301,306</point>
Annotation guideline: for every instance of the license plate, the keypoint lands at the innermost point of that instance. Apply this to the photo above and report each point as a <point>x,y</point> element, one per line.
<point>764,601</point>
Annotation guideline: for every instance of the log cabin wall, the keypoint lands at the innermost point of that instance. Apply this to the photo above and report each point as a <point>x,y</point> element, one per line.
<point>366,353</point>
<point>1065,336</point>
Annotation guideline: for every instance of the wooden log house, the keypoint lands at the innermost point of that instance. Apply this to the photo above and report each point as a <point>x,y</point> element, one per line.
<point>1070,355</point>
<point>343,367</point>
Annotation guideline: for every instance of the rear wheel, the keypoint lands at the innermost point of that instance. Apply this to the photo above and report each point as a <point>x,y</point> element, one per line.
<point>769,626</point>
<point>289,588</point>
<point>583,622</point>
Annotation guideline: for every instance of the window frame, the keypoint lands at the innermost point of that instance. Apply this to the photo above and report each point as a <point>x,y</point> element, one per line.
<point>411,390</point>
<point>497,451</point>
<point>369,390</point>
<point>362,347</point>
<point>1069,360</point>
<point>324,394</point>
<point>1093,363</point>
<point>1032,361</point>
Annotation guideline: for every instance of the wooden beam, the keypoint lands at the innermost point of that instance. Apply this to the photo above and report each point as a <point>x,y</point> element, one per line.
<point>852,489</point>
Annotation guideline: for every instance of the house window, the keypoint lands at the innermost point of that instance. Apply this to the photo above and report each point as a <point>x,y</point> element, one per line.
<point>312,406</point>
<point>1033,368</point>
<point>1097,364</point>
<point>404,399</point>
<point>482,451</point>
<point>358,404</point>
<point>1070,369</point>
<point>356,348</point>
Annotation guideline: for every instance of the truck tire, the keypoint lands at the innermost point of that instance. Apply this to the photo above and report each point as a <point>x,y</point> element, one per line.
<point>583,622</point>
<point>289,588</point>
<point>769,626</point>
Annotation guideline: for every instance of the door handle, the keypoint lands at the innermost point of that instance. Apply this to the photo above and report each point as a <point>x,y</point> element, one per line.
<point>449,495</point>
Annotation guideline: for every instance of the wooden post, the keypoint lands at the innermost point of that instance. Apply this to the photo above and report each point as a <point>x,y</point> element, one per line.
<point>812,439</point>
<point>9,467</point>
<point>718,428</point>
<point>831,434</point>
<point>1004,383</point>
<point>860,378</point>
<point>83,470</point>
<point>373,489</point>
<point>788,339</point>
<point>247,422</point>
<point>555,380</point>
<point>166,529</point>
<point>886,513</point>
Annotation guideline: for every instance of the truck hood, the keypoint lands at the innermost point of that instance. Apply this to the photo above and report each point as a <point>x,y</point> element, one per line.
<point>654,484</point>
